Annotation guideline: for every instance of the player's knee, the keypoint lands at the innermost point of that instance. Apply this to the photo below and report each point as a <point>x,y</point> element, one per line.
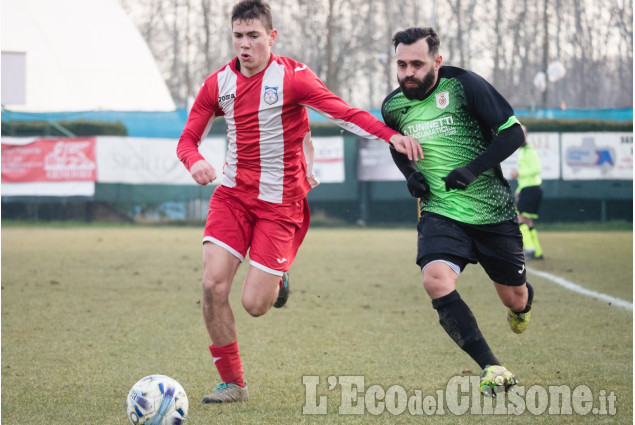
<point>215,291</point>
<point>516,299</point>
<point>255,307</point>
<point>436,285</point>
<point>431,286</point>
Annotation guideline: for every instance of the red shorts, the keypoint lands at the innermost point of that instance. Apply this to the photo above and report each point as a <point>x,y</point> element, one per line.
<point>272,233</point>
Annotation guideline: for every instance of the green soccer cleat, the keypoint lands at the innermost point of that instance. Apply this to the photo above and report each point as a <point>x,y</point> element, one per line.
<point>283,293</point>
<point>494,378</point>
<point>227,393</point>
<point>518,322</point>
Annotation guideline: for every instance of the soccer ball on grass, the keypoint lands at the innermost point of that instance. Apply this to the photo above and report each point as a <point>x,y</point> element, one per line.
<point>157,400</point>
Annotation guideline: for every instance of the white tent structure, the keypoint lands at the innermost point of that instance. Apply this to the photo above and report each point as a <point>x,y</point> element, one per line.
<point>76,55</point>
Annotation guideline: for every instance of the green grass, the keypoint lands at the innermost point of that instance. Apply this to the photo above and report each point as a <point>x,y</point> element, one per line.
<point>590,226</point>
<point>88,311</point>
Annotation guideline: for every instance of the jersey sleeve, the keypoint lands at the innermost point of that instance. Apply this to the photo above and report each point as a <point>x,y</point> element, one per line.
<point>487,104</point>
<point>199,122</point>
<point>311,92</point>
<point>388,115</point>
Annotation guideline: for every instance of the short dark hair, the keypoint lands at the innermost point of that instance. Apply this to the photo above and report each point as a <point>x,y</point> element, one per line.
<point>248,10</point>
<point>414,34</point>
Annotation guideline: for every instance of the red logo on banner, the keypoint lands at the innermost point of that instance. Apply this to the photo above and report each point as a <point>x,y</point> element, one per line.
<point>50,160</point>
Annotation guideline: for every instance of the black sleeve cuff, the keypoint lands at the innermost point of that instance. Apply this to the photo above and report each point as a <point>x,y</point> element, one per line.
<point>503,145</point>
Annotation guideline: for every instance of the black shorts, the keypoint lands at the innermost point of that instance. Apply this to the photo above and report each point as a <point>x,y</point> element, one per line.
<point>497,247</point>
<point>529,201</point>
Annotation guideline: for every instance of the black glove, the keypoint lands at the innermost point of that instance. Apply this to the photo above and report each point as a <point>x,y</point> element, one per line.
<point>459,178</point>
<point>417,185</point>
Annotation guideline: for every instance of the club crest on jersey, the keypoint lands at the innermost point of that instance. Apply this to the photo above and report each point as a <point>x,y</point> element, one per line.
<point>443,99</point>
<point>271,95</point>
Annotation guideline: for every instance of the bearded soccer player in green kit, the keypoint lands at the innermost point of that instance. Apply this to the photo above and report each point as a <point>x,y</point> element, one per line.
<point>466,128</point>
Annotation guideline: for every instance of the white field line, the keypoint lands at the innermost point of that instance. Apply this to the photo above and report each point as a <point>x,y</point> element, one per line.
<point>580,290</point>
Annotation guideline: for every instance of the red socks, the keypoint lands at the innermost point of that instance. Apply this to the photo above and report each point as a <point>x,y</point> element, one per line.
<point>227,362</point>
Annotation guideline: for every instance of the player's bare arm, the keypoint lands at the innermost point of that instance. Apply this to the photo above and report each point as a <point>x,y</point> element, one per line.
<point>408,146</point>
<point>202,172</point>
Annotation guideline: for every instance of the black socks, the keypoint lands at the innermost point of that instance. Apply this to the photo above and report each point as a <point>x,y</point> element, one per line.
<point>530,298</point>
<point>459,322</point>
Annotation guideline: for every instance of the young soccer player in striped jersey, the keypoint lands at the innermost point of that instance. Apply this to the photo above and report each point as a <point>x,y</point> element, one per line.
<point>260,205</point>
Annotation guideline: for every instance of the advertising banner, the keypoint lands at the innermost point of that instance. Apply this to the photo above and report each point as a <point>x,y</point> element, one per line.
<point>48,167</point>
<point>48,160</point>
<point>70,166</point>
<point>328,160</point>
<point>132,160</point>
<point>375,162</point>
<point>548,147</point>
<point>597,156</point>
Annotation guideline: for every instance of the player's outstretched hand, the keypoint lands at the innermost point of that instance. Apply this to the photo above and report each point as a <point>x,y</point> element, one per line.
<point>407,145</point>
<point>202,172</point>
<point>459,178</point>
<point>417,185</point>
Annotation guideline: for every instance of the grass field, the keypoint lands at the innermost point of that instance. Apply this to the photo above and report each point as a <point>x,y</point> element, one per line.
<point>88,311</point>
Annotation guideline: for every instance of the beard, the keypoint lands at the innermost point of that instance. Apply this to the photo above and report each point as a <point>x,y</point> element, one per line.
<point>422,87</point>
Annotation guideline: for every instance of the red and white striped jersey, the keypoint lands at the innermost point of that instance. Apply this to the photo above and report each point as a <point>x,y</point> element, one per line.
<point>266,125</point>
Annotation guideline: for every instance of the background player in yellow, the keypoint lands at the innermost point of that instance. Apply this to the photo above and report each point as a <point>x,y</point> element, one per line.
<point>528,197</point>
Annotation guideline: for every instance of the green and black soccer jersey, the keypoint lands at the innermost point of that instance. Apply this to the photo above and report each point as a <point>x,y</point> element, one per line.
<point>454,124</point>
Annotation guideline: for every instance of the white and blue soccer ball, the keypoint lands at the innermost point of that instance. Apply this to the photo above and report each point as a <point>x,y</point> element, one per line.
<point>157,400</point>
